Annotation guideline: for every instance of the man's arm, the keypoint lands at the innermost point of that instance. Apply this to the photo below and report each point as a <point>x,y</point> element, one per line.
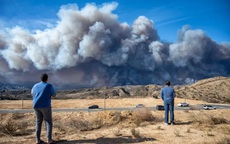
<point>162,94</point>
<point>174,94</point>
<point>53,92</point>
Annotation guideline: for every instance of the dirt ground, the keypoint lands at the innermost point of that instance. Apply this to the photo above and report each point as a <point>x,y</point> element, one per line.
<point>116,127</point>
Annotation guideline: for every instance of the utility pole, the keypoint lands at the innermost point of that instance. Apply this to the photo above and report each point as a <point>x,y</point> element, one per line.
<point>105,102</point>
<point>22,100</point>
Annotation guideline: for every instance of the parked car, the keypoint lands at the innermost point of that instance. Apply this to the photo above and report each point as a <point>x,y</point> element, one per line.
<point>183,104</point>
<point>160,107</point>
<point>156,97</point>
<point>93,107</point>
<point>140,106</point>
<point>209,107</point>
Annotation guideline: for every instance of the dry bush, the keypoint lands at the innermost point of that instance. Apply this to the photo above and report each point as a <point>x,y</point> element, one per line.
<point>205,119</point>
<point>117,132</point>
<point>215,120</point>
<point>159,128</point>
<point>9,128</point>
<point>210,134</point>
<point>135,133</point>
<point>17,116</point>
<point>212,120</point>
<point>177,133</point>
<point>86,124</point>
<point>143,114</point>
<point>110,117</point>
<point>224,129</point>
<point>188,130</point>
<point>13,128</point>
<point>224,140</point>
<point>89,121</point>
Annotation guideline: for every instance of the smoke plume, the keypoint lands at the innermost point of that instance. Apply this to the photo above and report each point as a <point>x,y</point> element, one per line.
<point>88,47</point>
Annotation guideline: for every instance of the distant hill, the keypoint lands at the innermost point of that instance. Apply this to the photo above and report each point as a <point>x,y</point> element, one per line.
<point>216,90</point>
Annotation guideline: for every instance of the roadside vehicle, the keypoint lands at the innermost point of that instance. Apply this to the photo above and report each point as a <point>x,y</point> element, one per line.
<point>140,105</point>
<point>209,107</point>
<point>160,107</point>
<point>156,97</point>
<point>93,107</point>
<point>183,104</point>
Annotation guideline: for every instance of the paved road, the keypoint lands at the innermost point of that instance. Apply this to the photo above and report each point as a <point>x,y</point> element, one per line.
<point>196,107</point>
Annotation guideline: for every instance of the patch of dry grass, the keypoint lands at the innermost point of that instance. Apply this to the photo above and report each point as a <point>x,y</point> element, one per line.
<point>10,127</point>
<point>224,140</point>
<point>89,121</point>
<point>207,120</point>
<point>135,133</point>
<point>144,114</point>
<point>177,133</point>
<point>117,132</point>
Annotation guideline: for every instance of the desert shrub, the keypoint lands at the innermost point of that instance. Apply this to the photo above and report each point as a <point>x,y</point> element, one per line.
<point>61,126</point>
<point>16,116</point>
<point>143,114</point>
<point>159,128</point>
<point>224,140</point>
<point>208,120</point>
<point>135,133</point>
<point>86,124</point>
<point>210,134</point>
<point>78,124</point>
<point>13,128</point>
<point>89,121</point>
<point>117,132</point>
<point>177,133</point>
<point>9,128</point>
<point>188,130</point>
<point>110,117</point>
<point>215,120</point>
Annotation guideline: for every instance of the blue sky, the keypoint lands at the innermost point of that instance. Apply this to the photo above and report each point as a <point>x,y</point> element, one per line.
<point>212,16</point>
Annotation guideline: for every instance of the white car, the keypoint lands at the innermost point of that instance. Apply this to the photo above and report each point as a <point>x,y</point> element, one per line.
<point>209,107</point>
<point>183,104</point>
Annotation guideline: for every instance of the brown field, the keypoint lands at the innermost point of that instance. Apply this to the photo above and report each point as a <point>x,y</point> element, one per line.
<point>140,126</point>
<point>105,127</point>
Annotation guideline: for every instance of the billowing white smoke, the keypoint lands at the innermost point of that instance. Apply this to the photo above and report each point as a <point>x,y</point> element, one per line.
<point>89,47</point>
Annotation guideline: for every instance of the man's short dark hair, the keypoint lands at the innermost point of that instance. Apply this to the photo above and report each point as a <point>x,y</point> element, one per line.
<point>168,83</point>
<point>44,77</point>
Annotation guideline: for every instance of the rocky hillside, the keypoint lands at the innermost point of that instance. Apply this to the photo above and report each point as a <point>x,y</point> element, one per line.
<point>211,90</point>
<point>215,89</point>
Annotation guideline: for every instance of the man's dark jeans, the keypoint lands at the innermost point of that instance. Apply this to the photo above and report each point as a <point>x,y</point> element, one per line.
<point>45,113</point>
<point>169,106</point>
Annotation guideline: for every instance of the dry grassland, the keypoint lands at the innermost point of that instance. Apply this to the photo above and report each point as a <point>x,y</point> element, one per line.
<point>141,126</point>
<point>107,127</point>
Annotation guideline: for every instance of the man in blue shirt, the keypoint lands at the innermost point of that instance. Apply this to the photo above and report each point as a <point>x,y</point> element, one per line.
<point>168,95</point>
<point>42,93</point>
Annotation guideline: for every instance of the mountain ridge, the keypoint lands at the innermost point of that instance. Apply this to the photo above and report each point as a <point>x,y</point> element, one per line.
<point>215,90</point>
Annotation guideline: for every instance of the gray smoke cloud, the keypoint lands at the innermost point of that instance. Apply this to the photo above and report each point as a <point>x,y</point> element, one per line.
<point>88,47</point>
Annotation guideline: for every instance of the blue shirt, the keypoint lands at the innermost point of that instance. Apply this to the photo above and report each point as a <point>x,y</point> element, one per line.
<point>168,93</point>
<point>42,93</point>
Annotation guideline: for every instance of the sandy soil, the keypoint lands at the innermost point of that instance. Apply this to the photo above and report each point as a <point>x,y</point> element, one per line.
<point>192,126</point>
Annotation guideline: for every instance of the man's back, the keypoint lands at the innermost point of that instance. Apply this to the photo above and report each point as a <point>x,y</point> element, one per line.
<point>168,93</point>
<point>42,93</point>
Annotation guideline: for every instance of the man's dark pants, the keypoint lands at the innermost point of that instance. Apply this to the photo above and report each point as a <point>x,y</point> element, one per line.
<point>45,113</point>
<point>169,106</point>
